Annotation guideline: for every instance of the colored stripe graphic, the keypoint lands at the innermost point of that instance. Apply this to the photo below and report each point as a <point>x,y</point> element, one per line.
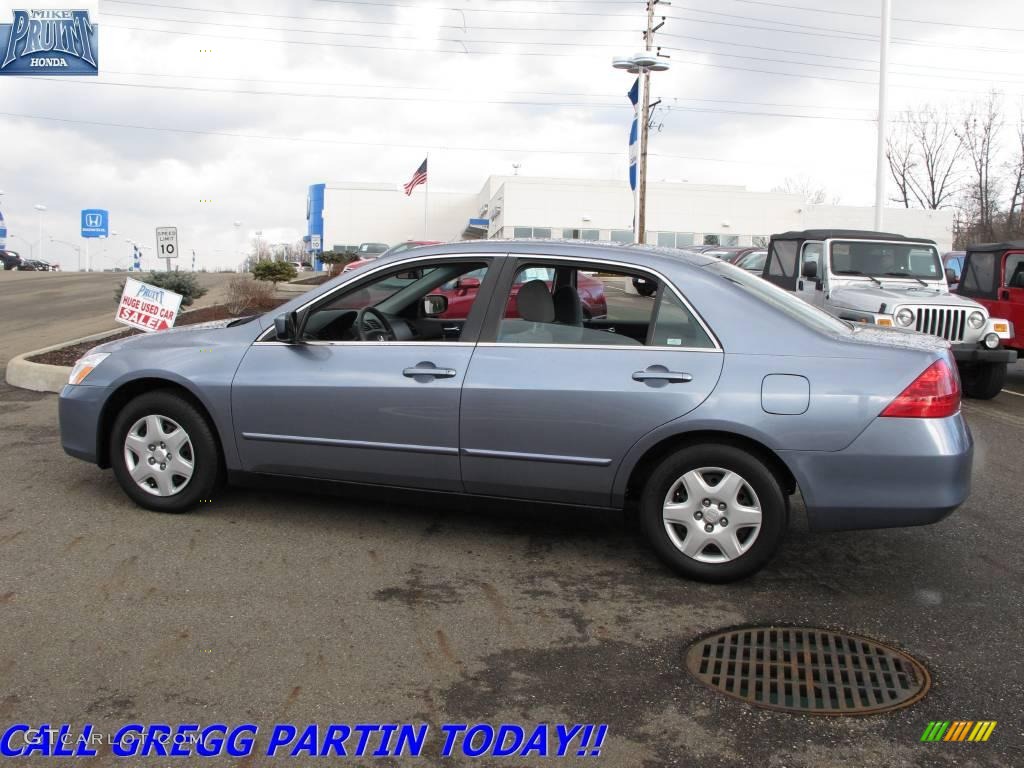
<point>935,730</point>
<point>959,730</point>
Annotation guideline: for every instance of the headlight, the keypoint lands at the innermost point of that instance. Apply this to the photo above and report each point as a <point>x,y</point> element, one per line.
<point>976,319</point>
<point>85,365</point>
<point>904,317</point>
<point>991,340</point>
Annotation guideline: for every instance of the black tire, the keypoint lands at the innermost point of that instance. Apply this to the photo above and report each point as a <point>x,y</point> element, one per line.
<point>205,451</point>
<point>758,477</point>
<point>983,381</point>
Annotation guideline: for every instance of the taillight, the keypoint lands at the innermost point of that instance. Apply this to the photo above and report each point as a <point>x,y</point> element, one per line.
<point>934,394</point>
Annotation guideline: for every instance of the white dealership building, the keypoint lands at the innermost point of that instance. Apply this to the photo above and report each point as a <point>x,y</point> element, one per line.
<point>678,214</point>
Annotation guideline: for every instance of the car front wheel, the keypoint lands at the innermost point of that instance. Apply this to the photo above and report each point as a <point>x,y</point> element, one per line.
<point>164,452</point>
<point>714,513</point>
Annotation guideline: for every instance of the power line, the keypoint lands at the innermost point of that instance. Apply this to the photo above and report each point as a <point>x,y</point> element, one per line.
<point>958,25</point>
<point>460,41</point>
<point>304,139</point>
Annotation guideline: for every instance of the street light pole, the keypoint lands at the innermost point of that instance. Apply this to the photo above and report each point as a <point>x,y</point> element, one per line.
<point>40,208</point>
<point>883,71</point>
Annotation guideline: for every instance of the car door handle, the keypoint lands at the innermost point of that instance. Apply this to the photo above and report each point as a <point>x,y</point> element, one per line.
<point>428,370</point>
<point>660,373</point>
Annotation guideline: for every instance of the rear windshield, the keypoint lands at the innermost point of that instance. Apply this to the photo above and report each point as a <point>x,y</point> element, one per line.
<point>786,302</point>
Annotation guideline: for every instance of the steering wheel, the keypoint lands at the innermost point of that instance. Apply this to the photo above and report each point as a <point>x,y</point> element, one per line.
<point>371,325</point>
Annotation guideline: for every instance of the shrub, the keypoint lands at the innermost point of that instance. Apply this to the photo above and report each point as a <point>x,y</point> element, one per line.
<point>274,271</point>
<point>244,293</point>
<point>185,283</point>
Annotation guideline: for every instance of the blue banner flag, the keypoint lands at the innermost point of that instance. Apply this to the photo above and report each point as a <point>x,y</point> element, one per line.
<point>634,98</point>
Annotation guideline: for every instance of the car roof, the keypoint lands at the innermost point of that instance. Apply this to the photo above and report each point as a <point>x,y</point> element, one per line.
<point>651,255</point>
<point>854,234</point>
<point>1012,245</point>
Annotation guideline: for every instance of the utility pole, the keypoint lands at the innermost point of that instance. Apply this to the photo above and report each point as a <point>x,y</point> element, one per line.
<point>883,71</point>
<point>641,223</point>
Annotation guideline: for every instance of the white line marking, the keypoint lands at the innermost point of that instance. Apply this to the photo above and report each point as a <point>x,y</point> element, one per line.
<point>1011,392</point>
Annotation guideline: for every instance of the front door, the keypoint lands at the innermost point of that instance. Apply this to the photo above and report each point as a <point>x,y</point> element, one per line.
<point>367,396</point>
<point>811,283</point>
<point>553,399</point>
<point>1010,303</point>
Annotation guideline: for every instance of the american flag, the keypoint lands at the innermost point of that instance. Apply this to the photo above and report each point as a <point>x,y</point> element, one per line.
<point>420,177</point>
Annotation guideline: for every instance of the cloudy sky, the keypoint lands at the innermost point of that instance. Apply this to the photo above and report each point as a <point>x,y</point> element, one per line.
<point>208,112</point>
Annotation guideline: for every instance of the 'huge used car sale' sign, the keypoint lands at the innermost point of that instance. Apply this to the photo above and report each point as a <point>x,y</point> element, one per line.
<point>147,307</point>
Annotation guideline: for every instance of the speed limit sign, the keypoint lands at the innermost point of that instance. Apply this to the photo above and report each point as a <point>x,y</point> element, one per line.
<point>167,243</point>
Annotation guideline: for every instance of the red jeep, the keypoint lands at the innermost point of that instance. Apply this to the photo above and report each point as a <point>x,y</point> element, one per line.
<point>993,275</point>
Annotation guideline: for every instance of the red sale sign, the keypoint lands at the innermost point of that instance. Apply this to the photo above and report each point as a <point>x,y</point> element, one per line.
<point>147,307</point>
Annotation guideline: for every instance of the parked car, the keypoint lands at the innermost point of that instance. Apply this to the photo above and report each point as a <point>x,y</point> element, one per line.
<point>461,293</point>
<point>896,282</point>
<point>993,275</point>
<point>703,411</point>
<point>366,257</point>
<point>33,265</point>
<point>299,266</point>
<point>752,260</point>
<point>9,260</point>
<point>731,253</point>
<point>953,267</point>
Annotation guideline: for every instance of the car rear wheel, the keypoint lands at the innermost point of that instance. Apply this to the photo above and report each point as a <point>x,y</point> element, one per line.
<point>164,452</point>
<point>983,381</point>
<point>714,513</point>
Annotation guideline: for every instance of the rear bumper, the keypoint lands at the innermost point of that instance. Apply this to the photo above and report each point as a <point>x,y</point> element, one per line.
<point>79,409</point>
<point>898,472</point>
<point>974,353</point>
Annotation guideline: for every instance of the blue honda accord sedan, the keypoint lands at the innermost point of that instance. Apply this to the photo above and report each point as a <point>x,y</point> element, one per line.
<point>703,406</point>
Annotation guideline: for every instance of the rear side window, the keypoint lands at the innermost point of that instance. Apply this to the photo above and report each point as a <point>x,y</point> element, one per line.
<point>979,275</point>
<point>783,258</point>
<point>675,325</point>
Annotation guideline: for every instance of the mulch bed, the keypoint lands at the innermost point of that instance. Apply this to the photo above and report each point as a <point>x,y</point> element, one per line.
<point>68,355</point>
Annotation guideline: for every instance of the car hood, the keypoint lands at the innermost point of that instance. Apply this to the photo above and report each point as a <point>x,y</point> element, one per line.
<point>187,335</point>
<point>870,297</point>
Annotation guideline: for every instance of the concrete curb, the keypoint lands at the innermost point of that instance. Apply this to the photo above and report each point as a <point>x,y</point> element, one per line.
<point>40,377</point>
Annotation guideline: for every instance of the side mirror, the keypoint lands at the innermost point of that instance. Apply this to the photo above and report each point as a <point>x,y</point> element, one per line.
<point>286,327</point>
<point>950,276</point>
<point>810,270</point>
<point>466,284</point>
<point>435,304</point>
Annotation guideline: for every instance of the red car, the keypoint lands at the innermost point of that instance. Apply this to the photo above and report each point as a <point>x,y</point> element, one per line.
<point>993,275</point>
<point>367,257</point>
<point>461,293</point>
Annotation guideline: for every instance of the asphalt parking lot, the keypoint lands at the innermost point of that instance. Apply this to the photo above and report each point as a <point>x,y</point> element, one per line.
<point>279,606</point>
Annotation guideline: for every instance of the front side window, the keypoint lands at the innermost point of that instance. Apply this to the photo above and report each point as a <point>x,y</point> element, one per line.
<point>588,305</point>
<point>1015,270</point>
<point>423,302</point>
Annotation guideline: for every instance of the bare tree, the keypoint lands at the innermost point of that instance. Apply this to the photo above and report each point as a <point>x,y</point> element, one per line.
<point>924,153</point>
<point>812,193</point>
<point>899,152</point>
<point>979,133</point>
<point>1015,167</point>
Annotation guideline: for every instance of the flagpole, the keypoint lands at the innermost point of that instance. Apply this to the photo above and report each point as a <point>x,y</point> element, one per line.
<point>426,195</point>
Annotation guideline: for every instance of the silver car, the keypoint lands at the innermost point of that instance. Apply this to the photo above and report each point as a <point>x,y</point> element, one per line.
<point>472,368</point>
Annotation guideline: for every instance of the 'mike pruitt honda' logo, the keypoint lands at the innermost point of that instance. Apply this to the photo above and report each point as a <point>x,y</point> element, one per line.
<point>958,730</point>
<point>50,42</point>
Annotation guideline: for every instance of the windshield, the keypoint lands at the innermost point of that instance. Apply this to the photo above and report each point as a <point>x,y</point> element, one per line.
<point>881,259</point>
<point>786,302</point>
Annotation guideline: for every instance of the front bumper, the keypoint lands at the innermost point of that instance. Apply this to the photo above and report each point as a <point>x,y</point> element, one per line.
<point>78,410</point>
<point>975,353</point>
<point>898,472</point>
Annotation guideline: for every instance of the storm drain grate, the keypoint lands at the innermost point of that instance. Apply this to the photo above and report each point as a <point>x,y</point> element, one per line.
<point>811,671</point>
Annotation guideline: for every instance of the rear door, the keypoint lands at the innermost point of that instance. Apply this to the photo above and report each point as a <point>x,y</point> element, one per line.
<point>549,409</point>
